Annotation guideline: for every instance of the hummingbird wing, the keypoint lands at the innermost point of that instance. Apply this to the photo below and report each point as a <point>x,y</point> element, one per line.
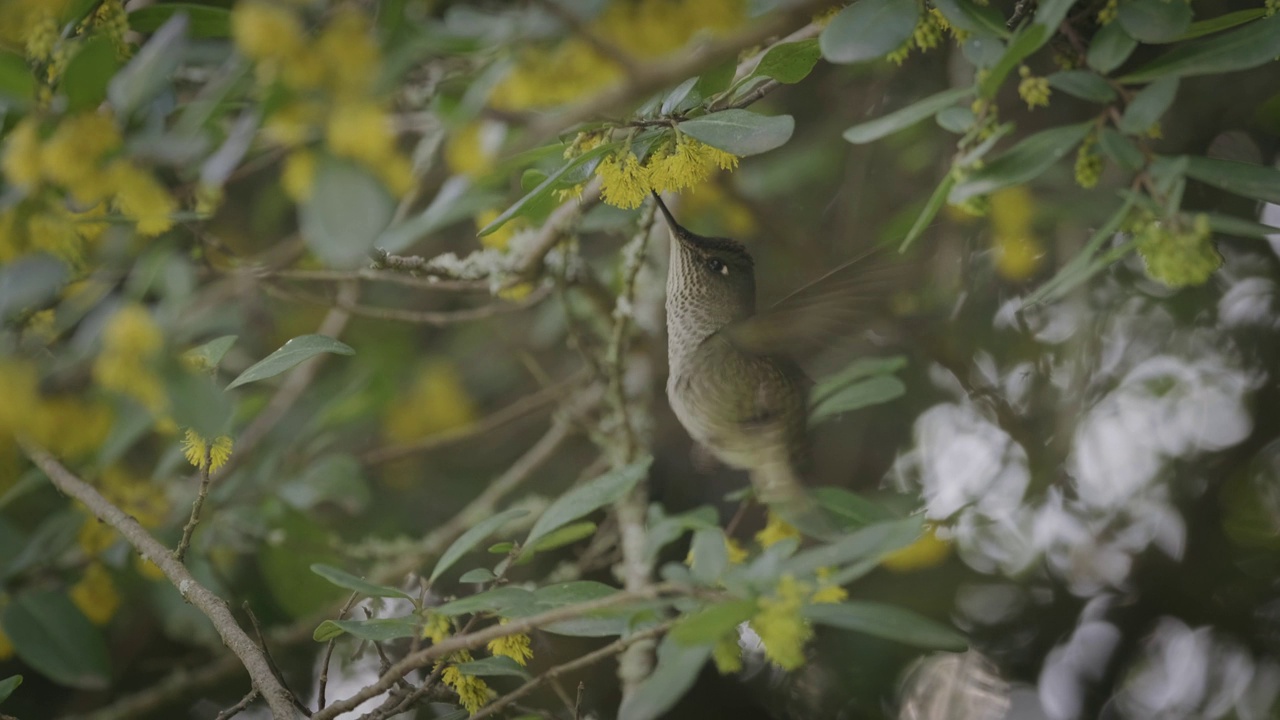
<point>839,304</point>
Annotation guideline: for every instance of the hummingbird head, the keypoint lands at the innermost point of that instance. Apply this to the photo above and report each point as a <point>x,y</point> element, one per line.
<point>711,281</point>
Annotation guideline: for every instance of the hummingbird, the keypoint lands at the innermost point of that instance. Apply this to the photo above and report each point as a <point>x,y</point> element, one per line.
<point>735,383</point>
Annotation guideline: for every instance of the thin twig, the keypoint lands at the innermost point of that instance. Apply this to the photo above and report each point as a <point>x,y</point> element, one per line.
<point>590,658</point>
<point>423,281</point>
<point>552,230</point>
<point>213,607</point>
<point>323,681</point>
<point>271,662</point>
<point>420,317</point>
<point>205,471</point>
<point>633,254</point>
<point>238,707</point>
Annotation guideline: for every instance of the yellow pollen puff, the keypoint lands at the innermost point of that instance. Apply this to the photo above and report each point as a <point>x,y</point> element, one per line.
<point>73,154</point>
<point>776,530</point>
<point>735,551</point>
<point>925,552</point>
<point>21,162</point>
<point>292,124</point>
<point>349,52</point>
<point>141,198</point>
<point>473,693</point>
<point>360,131</point>
<point>266,31</point>
<point>205,455</point>
<point>436,627</point>
<point>727,653</point>
<point>95,594</point>
<point>471,150</point>
<point>298,174</point>
<point>514,646</point>
<point>827,591</point>
<point>781,626</point>
<point>436,401</point>
<point>624,182</point>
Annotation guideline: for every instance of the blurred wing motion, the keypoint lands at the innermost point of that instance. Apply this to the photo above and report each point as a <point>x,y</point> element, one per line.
<point>837,305</point>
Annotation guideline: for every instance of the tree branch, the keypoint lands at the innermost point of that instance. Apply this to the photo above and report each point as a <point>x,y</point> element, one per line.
<point>213,607</point>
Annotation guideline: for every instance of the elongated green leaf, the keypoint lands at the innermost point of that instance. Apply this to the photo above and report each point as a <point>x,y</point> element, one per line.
<point>474,535</point>
<point>539,194</point>
<point>344,579</point>
<point>1110,48</point>
<point>1024,42</point>
<point>1121,150</point>
<point>151,70</point>
<point>1083,84</point>
<point>710,555</point>
<point>673,674</point>
<point>211,353</point>
<point>958,120</point>
<point>1250,46</point>
<point>972,17</point>
<point>872,391</point>
<point>789,62</point>
<point>297,350</point>
<point>205,21</point>
<point>457,199</point>
<point>85,80</point>
<point>1050,14</point>
<point>868,543</point>
<point>373,630</point>
<point>677,96</point>
<point>1023,162</point>
<point>1200,28</point>
<point>851,506</point>
<point>853,372</point>
<point>1252,181</point>
<point>567,535</point>
<point>713,622</point>
<point>8,685</point>
<point>904,118</point>
<point>570,593</point>
<point>495,600</point>
<point>17,85</point>
<point>983,51</point>
<point>496,666</point>
<point>1154,21</point>
<point>604,490</point>
<point>741,132</point>
<point>478,575</point>
<point>1148,106</point>
<point>888,622</point>
<point>1240,227</point>
<point>1081,268</point>
<point>340,237</point>
<point>50,634</point>
<point>868,30</point>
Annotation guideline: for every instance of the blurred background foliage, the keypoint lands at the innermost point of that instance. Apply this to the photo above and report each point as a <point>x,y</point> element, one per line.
<point>382,224</point>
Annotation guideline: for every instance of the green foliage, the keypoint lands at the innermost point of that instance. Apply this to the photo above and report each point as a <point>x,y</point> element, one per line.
<point>869,30</point>
<point>51,635</point>
<point>297,350</point>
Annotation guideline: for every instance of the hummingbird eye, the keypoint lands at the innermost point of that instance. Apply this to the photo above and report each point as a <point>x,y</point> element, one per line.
<point>715,265</point>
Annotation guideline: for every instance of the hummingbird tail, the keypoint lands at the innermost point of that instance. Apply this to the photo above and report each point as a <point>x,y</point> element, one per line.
<point>778,486</point>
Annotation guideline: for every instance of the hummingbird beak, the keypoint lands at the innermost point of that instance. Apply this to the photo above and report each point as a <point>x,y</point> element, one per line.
<point>677,230</point>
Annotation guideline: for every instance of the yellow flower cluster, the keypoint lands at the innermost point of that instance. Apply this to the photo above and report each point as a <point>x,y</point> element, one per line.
<point>925,552</point>
<point>776,530</point>
<point>436,401</point>
<point>131,343</point>
<point>1088,168</point>
<point>928,34</point>
<point>136,496</point>
<point>205,454</point>
<point>95,594</point>
<point>71,426</point>
<point>473,148</point>
<point>514,646</point>
<point>780,625</point>
<point>436,627</point>
<point>473,693</point>
<point>329,83</point>
<point>1018,252</point>
<point>727,653</point>
<point>681,162</point>
<point>1033,90</point>
<point>1178,255</point>
<point>642,29</point>
<point>1109,12</point>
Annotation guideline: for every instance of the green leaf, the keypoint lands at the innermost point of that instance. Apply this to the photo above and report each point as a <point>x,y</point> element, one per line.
<point>873,391</point>
<point>17,86</point>
<point>211,353</point>
<point>344,579</point>
<point>8,685</point>
<point>1251,181</point>
<point>740,132</point>
<point>1110,48</point>
<point>205,21</point>
<point>1148,106</point>
<point>1222,22</point>
<point>1083,266</point>
<point>151,70</point>
<point>1240,227</point>
<point>1250,46</point>
<point>373,630</point>
<point>457,199</point>
<point>789,62</point>
<point>495,600</point>
<point>297,543</point>
<point>477,575</point>
<point>857,370</point>
<point>474,535</point>
<point>539,194</point>
<point>904,118</point>
<point>1051,13</point>
<point>717,79</point>
<point>710,555</point>
<point>888,622</point>
<point>50,634</point>
<point>983,52</point>
<point>501,548</point>
<point>958,120</point>
<point>1121,150</point>
<point>851,506</point>
<point>85,80</point>
<point>1083,84</point>
<point>1154,21</point>
<point>566,535</point>
<point>1026,41</point>
<point>673,674</point>
<point>869,30</point>
<point>868,543</point>
<point>971,17</point>
<point>1023,162</point>
<point>337,235</point>
<point>713,622</point>
<point>297,350</point>
<point>495,666</point>
<point>604,490</point>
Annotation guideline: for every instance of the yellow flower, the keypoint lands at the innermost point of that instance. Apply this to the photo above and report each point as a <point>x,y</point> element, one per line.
<point>298,174</point>
<point>266,31</point>
<point>624,182</point>
<point>141,198</point>
<point>781,627</point>
<point>514,646</point>
<point>1088,163</point>
<point>1176,255</point>
<point>925,552</point>
<point>436,627</point>
<point>138,497</point>
<point>349,52</point>
<point>472,149</point>
<point>1033,90</point>
<point>95,594</point>
<point>197,450</point>
<point>498,239</point>
<point>71,426</point>
<point>53,232</point>
<point>95,536</point>
<point>827,592</point>
<point>735,551</point>
<point>1018,253</point>
<point>292,124</point>
<point>727,654</point>
<point>42,35</point>
<point>6,646</point>
<point>73,154</point>
<point>1109,12</point>
<point>930,30</point>
<point>775,530</point>
<point>361,131</point>
<point>130,343</point>
<point>21,163</point>
<point>473,693</point>
<point>686,163</point>
<point>436,401</point>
